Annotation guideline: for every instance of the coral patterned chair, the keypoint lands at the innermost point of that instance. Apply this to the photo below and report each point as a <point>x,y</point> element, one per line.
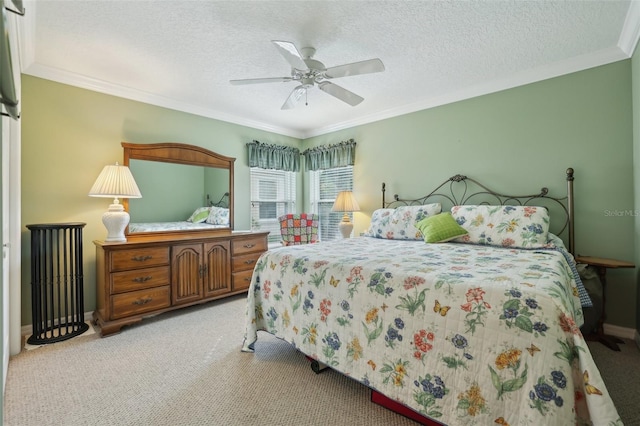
<point>299,228</point>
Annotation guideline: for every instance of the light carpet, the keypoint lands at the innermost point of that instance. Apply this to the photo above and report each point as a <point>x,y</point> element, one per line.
<point>182,368</point>
<point>186,368</point>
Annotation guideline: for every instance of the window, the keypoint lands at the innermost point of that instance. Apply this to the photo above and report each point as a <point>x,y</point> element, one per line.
<point>273,193</point>
<point>324,188</point>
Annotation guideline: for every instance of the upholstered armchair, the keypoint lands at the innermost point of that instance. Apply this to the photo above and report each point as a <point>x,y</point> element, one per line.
<point>299,228</point>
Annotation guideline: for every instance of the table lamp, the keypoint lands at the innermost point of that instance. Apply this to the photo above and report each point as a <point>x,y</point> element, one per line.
<point>115,181</point>
<point>345,202</point>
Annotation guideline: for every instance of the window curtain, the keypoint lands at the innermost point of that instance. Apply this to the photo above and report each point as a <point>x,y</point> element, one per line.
<point>330,156</point>
<point>8,97</point>
<point>268,156</point>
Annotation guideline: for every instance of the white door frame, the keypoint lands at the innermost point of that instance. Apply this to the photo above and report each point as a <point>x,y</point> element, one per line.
<point>11,214</point>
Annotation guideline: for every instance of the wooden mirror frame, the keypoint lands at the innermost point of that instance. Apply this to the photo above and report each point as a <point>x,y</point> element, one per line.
<point>179,153</point>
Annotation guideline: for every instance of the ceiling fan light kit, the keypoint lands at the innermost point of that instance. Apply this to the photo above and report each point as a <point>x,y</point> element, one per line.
<point>309,72</point>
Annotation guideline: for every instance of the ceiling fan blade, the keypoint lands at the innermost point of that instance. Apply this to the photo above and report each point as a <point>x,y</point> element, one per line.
<point>294,97</point>
<point>260,80</point>
<point>356,68</point>
<point>290,52</point>
<point>340,93</point>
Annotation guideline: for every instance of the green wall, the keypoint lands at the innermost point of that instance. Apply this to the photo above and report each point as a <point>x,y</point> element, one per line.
<point>530,134</point>
<point>518,140</point>
<point>70,134</point>
<point>170,192</point>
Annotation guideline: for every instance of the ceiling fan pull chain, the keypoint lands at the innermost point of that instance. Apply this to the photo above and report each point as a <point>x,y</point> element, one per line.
<point>306,98</point>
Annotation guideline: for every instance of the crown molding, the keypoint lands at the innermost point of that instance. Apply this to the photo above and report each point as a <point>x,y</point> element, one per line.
<point>578,63</point>
<point>629,37</point>
<point>630,30</point>
<point>557,69</point>
<point>100,86</point>
<point>29,66</point>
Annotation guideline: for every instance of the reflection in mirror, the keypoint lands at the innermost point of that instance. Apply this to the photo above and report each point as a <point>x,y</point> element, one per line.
<point>216,186</point>
<point>172,192</point>
<point>184,188</point>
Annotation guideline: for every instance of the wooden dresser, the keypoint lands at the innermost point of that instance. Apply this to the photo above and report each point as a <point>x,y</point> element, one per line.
<point>144,277</point>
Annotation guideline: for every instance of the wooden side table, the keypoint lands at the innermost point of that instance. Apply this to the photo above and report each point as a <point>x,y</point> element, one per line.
<point>602,264</point>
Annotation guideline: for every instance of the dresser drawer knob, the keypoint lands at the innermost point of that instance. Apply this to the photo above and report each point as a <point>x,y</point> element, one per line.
<point>142,301</point>
<point>141,258</point>
<point>142,279</point>
<point>248,245</point>
<point>249,262</point>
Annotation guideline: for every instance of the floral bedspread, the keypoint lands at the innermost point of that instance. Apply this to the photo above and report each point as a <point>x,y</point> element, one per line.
<point>464,334</point>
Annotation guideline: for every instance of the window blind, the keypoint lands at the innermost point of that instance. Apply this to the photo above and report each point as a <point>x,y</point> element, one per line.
<point>324,188</point>
<point>273,193</point>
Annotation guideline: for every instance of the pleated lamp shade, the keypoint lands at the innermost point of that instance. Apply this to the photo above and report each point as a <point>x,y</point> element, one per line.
<point>115,181</point>
<point>345,202</point>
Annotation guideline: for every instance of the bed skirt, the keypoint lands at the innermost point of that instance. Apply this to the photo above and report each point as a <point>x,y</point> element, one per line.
<point>396,407</point>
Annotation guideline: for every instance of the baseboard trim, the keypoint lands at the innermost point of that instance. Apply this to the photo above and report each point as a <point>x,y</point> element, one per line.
<point>26,330</point>
<point>613,330</point>
<point>622,332</point>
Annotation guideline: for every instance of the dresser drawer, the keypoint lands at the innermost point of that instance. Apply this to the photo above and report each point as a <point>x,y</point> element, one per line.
<point>139,302</point>
<point>138,279</point>
<point>248,245</point>
<point>241,280</point>
<point>245,262</point>
<point>139,258</point>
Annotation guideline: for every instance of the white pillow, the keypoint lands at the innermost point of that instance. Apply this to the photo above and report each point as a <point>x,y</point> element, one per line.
<point>218,216</point>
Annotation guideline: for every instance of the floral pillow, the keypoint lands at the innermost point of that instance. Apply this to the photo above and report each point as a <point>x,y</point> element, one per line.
<point>399,223</point>
<point>218,216</point>
<point>199,215</point>
<point>506,226</point>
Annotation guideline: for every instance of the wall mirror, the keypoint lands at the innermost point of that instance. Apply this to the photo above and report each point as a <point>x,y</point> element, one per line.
<point>185,189</point>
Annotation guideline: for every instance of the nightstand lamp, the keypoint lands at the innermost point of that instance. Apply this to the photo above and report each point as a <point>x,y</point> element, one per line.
<point>345,202</point>
<point>115,181</point>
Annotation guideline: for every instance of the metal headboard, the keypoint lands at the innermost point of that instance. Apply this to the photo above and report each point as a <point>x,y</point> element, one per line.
<point>457,190</point>
<point>222,202</point>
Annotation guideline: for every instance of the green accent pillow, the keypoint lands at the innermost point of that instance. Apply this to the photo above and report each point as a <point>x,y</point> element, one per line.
<point>200,215</point>
<point>440,228</point>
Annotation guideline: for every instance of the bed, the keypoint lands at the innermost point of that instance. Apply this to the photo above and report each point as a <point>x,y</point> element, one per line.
<point>212,216</point>
<point>480,329</point>
<point>172,226</point>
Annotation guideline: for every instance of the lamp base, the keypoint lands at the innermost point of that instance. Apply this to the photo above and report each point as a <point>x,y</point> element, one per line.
<point>345,227</point>
<point>115,220</point>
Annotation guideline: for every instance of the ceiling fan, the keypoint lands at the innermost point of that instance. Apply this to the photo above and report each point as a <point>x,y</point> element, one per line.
<point>309,72</point>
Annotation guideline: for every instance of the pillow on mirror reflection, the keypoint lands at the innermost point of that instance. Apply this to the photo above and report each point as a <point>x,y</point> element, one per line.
<point>200,215</point>
<point>218,216</point>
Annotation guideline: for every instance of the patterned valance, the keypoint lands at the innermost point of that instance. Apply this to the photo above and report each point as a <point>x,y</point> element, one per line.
<point>268,156</point>
<point>330,156</point>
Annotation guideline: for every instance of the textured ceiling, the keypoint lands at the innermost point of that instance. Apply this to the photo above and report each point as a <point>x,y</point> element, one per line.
<point>182,54</point>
